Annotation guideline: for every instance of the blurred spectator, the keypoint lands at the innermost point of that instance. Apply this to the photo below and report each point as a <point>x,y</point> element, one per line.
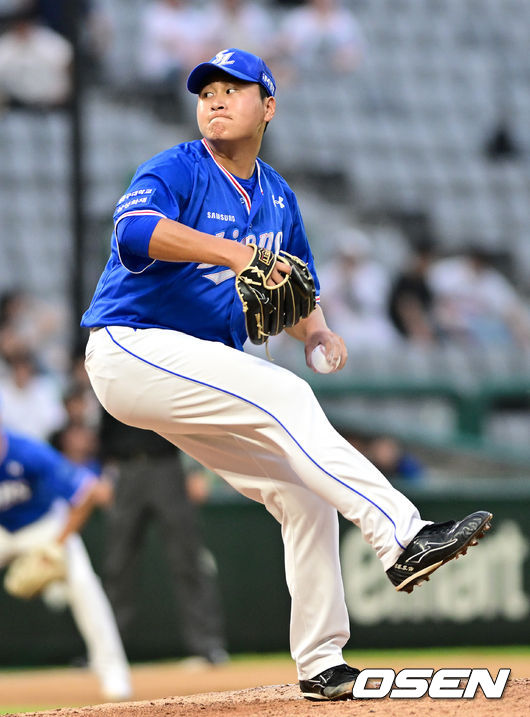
<point>390,457</point>
<point>150,485</point>
<point>27,321</point>
<point>173,41</point>
<point>410,303</point>
<point>387,454</point>
<point>80,444</point>
<point>35,65</point>
<point>321,36</point>
<point>31,401</point>
<point>11,339</point>
<point>475,304</point>
<point>78,436</point>
<point>79,398</point>
<point>239,23</point>
<point>95,31</point>
<point>74,400</point>
<point>355,290</point>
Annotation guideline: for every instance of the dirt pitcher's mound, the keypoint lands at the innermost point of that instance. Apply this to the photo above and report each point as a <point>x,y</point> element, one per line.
<point>285,700</point>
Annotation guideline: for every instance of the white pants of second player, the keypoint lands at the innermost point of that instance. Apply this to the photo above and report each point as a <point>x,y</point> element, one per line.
<point>85,596</point>
<point>260,427</point>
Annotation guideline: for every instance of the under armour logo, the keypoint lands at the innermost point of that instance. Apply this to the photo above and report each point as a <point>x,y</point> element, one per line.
<point>278,201</point>
<point>223,58</point>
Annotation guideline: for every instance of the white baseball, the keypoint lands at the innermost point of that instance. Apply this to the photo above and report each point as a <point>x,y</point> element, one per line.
<point>319,360</point>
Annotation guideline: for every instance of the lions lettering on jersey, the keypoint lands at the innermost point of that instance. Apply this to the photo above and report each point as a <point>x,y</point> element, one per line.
<point>187,184</point>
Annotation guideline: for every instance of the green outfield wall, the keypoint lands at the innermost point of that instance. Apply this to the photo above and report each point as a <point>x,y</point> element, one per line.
<point>483,599</point>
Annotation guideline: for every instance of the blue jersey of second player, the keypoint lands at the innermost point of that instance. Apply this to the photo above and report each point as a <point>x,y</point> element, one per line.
<point>33,475</point>
<point>187,184</point>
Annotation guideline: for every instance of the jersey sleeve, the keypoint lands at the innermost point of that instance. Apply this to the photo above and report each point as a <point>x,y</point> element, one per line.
<point>297,242</point>
<point>56,476</point>
<point>157,190</point>
<point>137,213</point>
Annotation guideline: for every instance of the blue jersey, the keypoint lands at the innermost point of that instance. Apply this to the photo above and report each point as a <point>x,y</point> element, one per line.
<point>187,184</point>
<point>32,476</point>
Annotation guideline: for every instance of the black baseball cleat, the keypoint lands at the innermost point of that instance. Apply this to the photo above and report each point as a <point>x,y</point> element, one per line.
<point>335,683</point>
<point>435,545</point>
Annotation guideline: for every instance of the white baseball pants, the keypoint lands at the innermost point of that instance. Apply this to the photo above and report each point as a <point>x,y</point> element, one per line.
<point>85,596</point>
<point>260,427</point>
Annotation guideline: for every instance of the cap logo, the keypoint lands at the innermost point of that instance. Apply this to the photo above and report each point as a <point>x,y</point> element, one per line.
<point>223,58</point>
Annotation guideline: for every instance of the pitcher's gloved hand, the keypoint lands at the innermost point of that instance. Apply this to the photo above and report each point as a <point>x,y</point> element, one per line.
<point>271,308</point>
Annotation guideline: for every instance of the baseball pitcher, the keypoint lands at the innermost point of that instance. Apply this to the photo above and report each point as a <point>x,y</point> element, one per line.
<point>209,249</point>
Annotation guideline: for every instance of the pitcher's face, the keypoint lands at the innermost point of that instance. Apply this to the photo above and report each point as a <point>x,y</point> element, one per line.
<point>231,109</point>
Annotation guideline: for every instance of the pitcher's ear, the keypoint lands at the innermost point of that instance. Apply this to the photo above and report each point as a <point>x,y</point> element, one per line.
<point>270,108</point>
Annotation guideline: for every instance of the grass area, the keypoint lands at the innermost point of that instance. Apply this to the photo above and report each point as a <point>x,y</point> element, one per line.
<point>523,650</point>
<point>398,653</point>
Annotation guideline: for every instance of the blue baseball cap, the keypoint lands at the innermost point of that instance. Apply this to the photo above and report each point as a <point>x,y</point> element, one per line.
<point>237,63</point>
